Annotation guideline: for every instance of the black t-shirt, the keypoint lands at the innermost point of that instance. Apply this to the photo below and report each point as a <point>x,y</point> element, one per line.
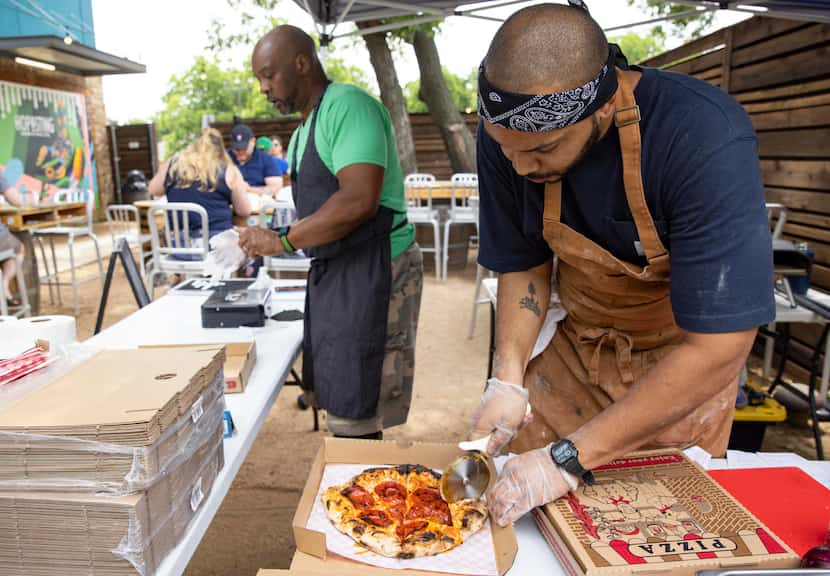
<point>703,187</point>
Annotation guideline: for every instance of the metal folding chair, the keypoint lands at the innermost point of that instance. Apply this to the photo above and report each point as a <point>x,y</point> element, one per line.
<point>24,309</point>
<point>124,221</point>
<point>70,232</point>
<point>176,239</point>
<point>419,210</point>
<point>464,185</point>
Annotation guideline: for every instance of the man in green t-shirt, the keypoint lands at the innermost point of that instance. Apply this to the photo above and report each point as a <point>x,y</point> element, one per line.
<point>365,283</point>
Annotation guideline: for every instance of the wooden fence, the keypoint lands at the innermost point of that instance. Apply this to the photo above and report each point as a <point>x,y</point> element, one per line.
<point>778,70</point>
<point>430,151</point>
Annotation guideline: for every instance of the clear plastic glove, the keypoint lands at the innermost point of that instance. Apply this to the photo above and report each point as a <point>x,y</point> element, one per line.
<point>225,255</point>
<point>526,481</point>
<point>502,411</point>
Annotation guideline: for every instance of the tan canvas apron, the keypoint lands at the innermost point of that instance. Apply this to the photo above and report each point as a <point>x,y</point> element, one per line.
<point>619,324</point>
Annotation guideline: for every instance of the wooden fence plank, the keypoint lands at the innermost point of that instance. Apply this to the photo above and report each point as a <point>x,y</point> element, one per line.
<point>793,68</point>
<point>702,64</point>
<point>810,174</point>
<point>801,118</point>
<point>800,199</point>
<point>690,49</point>
<point>801,39</point>
<point>790,91</point>
<point>808,219</point>
<point>762,28</point>
<point>812,143</point>
<point>810,232</point>
<point>820,276</point>
<point>791,104</point>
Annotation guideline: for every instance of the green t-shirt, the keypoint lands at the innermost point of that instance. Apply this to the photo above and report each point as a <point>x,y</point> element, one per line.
<point>355,128</point>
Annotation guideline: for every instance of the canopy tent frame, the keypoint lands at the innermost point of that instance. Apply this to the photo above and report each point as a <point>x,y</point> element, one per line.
<point>332,13</point>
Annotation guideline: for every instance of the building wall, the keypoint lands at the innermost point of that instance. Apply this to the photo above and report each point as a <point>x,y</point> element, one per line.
<point>91,87</point>
<point>74,16</point>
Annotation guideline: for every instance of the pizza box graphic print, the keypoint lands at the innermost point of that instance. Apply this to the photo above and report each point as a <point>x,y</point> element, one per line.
<point>658,511</point>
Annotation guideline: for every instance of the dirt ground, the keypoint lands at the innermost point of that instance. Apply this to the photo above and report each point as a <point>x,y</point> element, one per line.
<point>252,529</point>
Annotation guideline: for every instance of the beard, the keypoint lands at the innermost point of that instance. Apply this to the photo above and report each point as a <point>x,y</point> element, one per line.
<point>556,175</point>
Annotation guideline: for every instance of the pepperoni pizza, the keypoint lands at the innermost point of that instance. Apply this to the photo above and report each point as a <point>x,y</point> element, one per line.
<point>398,512</point>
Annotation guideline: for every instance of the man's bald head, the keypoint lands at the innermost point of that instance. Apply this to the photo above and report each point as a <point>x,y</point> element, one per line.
<point>289,73</point>
<point>546,48</point>
<point>288,41</point>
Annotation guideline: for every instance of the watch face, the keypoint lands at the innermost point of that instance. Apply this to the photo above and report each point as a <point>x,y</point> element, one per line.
<point>564,452</point>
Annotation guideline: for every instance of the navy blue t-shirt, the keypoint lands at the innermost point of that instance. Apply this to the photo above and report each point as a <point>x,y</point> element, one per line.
<point>217,202</point>
<point>259,166</point>
<point>282,164</point>
<point>703,187</point>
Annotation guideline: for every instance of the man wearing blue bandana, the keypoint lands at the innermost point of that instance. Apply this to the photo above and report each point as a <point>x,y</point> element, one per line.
<point>632,198</point>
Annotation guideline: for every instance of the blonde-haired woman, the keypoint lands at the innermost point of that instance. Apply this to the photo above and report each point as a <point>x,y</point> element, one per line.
<point>204,174</point>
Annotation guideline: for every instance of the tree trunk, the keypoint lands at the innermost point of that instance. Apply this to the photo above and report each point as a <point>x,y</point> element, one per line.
<point>391,94</point>
<point>458,139</point>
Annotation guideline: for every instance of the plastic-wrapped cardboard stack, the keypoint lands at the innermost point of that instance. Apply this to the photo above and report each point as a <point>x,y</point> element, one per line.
<point>102,469</point>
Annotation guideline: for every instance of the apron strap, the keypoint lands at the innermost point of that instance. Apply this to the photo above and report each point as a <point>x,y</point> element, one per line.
<point>553,202</point>
<point>622,343</point>
<point>627,120</point>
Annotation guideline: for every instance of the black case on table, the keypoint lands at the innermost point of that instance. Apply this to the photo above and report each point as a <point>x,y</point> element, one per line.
<point>232,308</point>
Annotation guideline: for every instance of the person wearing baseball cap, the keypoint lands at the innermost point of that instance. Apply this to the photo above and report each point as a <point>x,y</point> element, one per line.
<point>257,167</point>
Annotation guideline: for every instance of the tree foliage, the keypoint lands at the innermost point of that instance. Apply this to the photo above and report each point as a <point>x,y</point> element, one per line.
<point>207,89</point>
<point>692,26</point>
<point>462,89</point>
<point>223,91</point>
<point>637,47</point>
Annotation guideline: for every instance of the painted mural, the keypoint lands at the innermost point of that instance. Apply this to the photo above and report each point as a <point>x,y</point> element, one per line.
<point>45,141</point>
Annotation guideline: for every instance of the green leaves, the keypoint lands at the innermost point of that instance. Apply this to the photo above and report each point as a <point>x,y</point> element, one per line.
<point>689,27</point>
<point>638,48</point>
<point>463,90</point>
<point>208,89</point>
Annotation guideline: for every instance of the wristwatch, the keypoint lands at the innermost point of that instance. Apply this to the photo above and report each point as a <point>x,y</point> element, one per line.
<point>282,232</point>
<point>565,454</point>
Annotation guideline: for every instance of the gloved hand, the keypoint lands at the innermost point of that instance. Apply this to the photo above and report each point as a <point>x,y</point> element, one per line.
<point>527,481</point>
<point>225,256</point>
<point>257,241</point>
<point>502,411</point>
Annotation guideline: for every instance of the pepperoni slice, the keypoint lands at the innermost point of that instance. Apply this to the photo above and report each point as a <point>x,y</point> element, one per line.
<point>397,510</point>
<point>407,528</point>
<point>376,517</point>
<point>427,494</point>
<point>427,503</point>
<point>437,514</point>
<point>390,491</point>
<point>359,497</point>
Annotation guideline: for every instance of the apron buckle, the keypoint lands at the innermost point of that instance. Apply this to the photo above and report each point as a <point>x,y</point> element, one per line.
<point>627,115</point>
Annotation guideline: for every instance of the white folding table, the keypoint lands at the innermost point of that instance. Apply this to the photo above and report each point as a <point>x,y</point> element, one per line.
<point>176,319</point>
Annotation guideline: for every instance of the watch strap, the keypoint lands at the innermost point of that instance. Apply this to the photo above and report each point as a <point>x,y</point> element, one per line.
<point>282,232</point>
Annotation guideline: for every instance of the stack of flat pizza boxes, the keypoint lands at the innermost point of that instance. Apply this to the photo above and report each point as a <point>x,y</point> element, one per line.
<point>657,512</point>
<point>103,467</point>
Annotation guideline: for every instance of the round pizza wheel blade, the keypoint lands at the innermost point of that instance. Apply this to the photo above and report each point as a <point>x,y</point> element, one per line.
<point>467,477</point>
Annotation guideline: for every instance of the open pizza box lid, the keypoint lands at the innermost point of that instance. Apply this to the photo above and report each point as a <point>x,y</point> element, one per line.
<point>657,512</point>
<point>281,572</point>
<point>311,545</point>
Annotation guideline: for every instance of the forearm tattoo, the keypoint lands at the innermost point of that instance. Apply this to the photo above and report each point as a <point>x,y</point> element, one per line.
<point>531,302</point>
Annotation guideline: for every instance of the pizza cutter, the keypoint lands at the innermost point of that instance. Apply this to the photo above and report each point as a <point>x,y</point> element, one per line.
<point>469,475</point>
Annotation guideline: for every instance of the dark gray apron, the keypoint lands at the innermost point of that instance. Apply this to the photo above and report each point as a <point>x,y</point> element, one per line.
<point>347,302</point>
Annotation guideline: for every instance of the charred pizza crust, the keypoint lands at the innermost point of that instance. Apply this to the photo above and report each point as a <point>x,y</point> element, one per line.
<point>398,512</point>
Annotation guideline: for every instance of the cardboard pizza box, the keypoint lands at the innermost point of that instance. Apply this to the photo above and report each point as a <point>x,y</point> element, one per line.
<point>279,572</point>
<point>240,358</point>
<point>311,545</point>
<point>658,512</point>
